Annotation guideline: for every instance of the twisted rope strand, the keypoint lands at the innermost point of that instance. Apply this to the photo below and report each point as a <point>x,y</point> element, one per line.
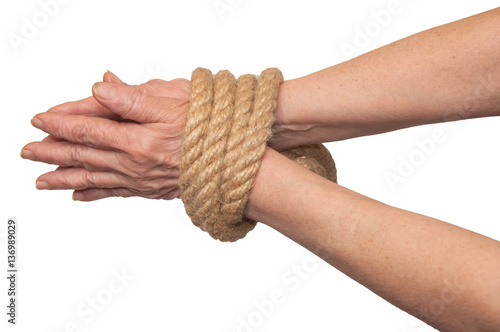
<point>233,159</point>
<point>228,126</point>
<point>199,113</point>
<point>209,176</point>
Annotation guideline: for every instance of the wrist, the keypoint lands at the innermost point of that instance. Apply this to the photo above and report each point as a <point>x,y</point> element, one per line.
<point>266,202</point>
<point>291,126</point>
<point>301,116</point>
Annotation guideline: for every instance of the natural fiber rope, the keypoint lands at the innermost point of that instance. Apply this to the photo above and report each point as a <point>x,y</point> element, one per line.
<point>228,126</point>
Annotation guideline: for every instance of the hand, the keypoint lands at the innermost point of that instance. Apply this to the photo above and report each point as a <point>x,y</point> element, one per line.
<point>124,141</point>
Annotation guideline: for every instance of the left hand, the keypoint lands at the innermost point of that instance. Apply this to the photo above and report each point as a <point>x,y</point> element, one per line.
<point>123,141</point>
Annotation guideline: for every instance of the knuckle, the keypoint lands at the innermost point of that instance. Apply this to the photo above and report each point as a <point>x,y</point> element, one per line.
<point>148,146</point>
<point>141,88</point>
<point>134,99</point>
<point>151,186</point>
<point>92,180</point>
<point>62,181</point>
<point>75,154</point>
<point>123,181</point>
<point>143,148</point>
<point>135,171</point>
<point>78,157</point>
<point>138,156</point>
<point>65,180</point>
<point>155,185</point>
<point>148,190</point>
<point>140,172</point>
<point>88,178</point>
<point>155,82</point>
<point>81,133</point>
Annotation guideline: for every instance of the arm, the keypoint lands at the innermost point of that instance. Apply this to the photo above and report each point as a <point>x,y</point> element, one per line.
<point>445,275</point>
<point>446,73</point>
<point>450,72</point>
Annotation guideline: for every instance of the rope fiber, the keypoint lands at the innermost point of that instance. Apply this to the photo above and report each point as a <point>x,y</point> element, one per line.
<point>228,125</point>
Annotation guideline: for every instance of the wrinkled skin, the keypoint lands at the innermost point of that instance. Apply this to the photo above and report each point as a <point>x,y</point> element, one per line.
<point>123,143</point>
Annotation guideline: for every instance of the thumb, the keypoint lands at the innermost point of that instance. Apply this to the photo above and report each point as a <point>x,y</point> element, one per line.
<point>110,77</point>
<point>129,102</point>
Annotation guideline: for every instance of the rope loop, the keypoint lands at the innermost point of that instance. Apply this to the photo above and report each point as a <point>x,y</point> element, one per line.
<point>228,125</point>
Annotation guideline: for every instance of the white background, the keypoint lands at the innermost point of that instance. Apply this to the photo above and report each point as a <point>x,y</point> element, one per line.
<point>182,279</point>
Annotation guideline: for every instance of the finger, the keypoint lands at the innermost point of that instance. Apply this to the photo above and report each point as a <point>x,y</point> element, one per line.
<point>88,106</point>
<point>112,78</point>
<point>92,131</point>
<point>79,179</point>
<point>178,88</point>
<point>154,87</point>
<point>52,139</point>
<point>95,194</point>
<point>67,154</point>
<point>88,195</point>
<point>131,102</point>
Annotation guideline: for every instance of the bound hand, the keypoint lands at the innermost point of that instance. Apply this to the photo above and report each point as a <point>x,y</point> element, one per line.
<point>123,141</point>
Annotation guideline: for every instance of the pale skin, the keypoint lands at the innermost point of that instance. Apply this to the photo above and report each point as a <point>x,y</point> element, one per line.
<point>125,141</point>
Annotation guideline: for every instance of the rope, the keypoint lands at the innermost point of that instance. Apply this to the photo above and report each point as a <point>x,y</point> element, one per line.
<point>228,125</point>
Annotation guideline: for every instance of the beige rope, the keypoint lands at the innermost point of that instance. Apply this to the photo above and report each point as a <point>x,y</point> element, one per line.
<point>228,126</point>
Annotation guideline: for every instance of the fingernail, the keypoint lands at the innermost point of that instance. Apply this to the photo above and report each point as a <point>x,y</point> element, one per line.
<point>104,90</point>
<point>36,122</point>
<point>42,185</point>
<point>27,154</point>
<point>77,196</point>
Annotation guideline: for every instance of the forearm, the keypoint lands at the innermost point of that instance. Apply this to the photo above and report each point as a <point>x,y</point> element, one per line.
<point>450,72</point>
<point>415,262</point>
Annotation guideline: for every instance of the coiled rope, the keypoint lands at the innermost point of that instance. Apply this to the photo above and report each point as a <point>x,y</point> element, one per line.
<point>228,125</point>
